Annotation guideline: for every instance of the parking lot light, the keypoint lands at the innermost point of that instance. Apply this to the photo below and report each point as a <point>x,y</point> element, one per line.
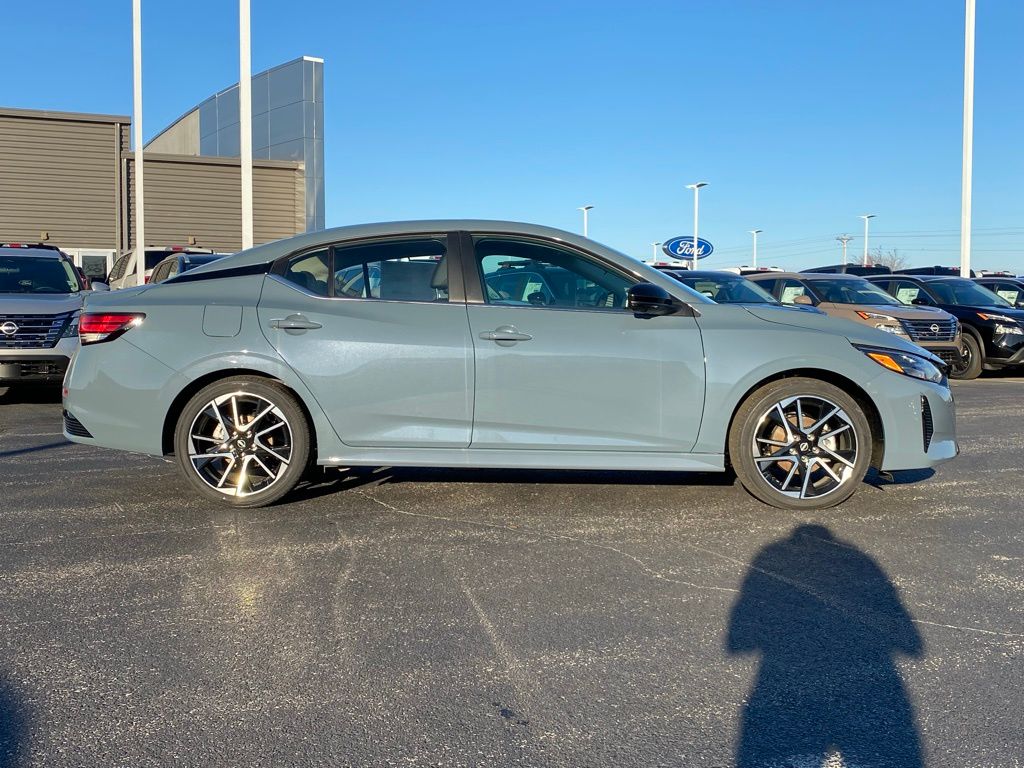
<point>867,217</point>
<point>755,233</point>
<point>586,210</point>
<point>696,217</point>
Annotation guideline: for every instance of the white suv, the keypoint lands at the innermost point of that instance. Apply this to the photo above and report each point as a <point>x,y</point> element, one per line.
<point>124,272</point>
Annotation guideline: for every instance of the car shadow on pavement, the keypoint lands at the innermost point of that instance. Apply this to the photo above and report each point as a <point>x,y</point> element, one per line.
<point>32,448</point>
<point>325,481</point>
<point>880,480</point>
<point>42,393</point>
<point>828,624</point>
<point>13,727</point>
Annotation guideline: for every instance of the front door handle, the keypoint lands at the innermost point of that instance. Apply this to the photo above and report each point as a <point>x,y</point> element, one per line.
<point>294,323</point>
<point>507,333</point>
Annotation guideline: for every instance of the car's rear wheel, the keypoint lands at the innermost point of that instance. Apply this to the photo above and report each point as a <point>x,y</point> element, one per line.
<point>242,441</point>
<point>800,443</point>
<point>972,360</point>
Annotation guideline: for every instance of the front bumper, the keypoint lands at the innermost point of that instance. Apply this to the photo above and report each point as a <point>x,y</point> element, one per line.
<point>1015,356</point>
<point>918,421</point>
<point>33,366</point>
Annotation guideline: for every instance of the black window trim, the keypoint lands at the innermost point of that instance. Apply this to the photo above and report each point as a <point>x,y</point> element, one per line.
<point>474,279</point>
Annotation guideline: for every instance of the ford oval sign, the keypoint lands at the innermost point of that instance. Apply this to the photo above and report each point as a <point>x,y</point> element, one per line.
<point>682,248</point>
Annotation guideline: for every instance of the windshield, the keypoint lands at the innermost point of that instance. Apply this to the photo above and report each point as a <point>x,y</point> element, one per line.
<point>726,290</point>
<point>852,291</point>
<point>965,292</point>
<point>30,274</point>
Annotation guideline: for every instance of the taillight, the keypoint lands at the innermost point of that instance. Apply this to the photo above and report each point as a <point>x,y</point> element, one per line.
<point>94,327</point>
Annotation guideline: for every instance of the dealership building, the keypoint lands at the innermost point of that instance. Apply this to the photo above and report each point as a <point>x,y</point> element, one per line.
<point>67,178</point>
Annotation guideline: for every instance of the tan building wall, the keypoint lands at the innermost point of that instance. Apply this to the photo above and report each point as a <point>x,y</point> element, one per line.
<point>70,175</point>
<point>59,173</point>
<point>201,198</point>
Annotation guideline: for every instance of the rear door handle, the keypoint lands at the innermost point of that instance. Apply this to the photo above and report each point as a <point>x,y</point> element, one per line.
<point>294,323</point>
<point>505,333</point>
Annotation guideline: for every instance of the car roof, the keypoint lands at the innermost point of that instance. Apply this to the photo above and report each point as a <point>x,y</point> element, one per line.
<point>263,254</point>
<point>706,274</point>
<point>805,276</point>
<point>46,253</point>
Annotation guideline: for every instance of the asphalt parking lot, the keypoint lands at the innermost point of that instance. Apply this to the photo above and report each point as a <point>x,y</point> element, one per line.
<point>510,618</point>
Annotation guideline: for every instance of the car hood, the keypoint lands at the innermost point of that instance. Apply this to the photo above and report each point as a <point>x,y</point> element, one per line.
<point>857,333</point>
<point>39,303</point>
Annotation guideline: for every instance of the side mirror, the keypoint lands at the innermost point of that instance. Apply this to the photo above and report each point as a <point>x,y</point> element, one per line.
<point>646,300</point>
<point>804,300</point>
<point>100,286</point>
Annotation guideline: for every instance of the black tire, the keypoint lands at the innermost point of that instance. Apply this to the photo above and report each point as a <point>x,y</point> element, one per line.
<point>973,360</point>
<point>754,422</point>
<point>284,452</point>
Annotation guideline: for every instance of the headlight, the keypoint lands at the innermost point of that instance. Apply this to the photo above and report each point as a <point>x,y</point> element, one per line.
<point>71,329</point>
<point>885,323</point>
<point>905,363</point>
<point>1009,329</point>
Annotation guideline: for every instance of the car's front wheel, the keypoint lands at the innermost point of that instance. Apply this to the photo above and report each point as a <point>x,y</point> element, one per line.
<point>800,444</point>
<point>972,360</point>
<point>242,441</point>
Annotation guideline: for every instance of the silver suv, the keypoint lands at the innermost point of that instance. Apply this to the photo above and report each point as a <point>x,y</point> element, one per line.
<point>40,298</point>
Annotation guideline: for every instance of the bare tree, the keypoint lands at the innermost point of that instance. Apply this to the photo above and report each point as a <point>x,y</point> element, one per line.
<point>891,258</point>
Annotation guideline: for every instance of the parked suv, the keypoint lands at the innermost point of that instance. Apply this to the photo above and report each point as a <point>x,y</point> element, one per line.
<point>177,263</point>
<point>728,288</point>
<point>935,270</point>
<point>40,298</point>
<point>993,330</point>
<point>124,272</point>
<point>854,298</point>
<point>852,269</point>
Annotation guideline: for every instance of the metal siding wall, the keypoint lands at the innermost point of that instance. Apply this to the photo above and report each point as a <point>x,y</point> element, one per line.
<point>201,197</point>
<point>58,176</point>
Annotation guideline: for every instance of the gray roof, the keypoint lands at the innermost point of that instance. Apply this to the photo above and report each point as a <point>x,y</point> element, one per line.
<point>267,252</point>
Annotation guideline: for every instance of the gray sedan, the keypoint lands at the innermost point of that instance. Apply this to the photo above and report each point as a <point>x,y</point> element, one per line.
<point>490,344</point>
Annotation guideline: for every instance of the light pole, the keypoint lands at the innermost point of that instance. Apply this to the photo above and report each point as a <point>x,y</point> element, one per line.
<point>968,159</point>
<point>654,252</point>
<point>245,119</point>
<point>755,233</point>
<point>586,218</point>
<point>867,217</point>
<point>140,217</point>
<point>844,239</point>
<point>696,211</point>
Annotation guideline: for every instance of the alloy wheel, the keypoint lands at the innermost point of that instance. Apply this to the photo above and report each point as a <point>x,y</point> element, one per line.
<point>240,444</point>
<point>805,447</point>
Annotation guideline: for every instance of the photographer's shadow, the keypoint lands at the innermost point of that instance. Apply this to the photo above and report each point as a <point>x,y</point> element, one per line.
<point>827,623</point>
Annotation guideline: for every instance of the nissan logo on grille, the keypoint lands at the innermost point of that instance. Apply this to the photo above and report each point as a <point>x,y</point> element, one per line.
<point>935,328</point>
<point>9,328</point>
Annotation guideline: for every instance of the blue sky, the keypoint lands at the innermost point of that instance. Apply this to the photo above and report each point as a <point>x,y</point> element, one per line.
<point>801,115</point>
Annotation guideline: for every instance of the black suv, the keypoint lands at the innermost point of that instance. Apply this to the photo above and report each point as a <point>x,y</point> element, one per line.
<point>852,269</point>
<point>936,270</point>
<point>993,329</point>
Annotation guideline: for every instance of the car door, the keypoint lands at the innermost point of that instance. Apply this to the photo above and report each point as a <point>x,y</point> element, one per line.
<point>562,365</point>
<point>388,359</point>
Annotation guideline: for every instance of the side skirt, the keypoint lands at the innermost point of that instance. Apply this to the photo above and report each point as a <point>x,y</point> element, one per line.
<point>527,459</point>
